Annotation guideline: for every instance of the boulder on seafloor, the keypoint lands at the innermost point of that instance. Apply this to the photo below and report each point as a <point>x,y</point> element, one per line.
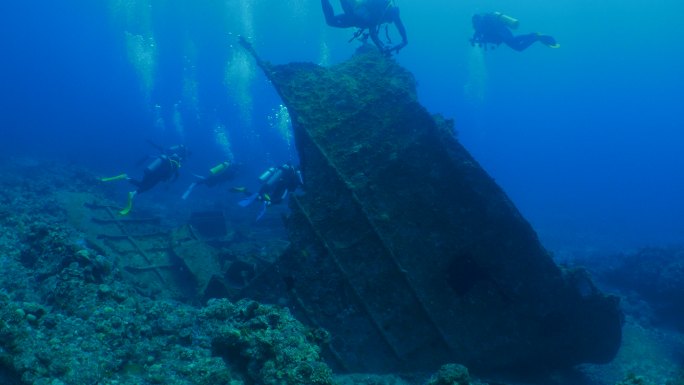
<point>406,250</point>
<point>657,275</point>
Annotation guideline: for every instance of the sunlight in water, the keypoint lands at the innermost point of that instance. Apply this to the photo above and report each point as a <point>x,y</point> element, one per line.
<point>299,7</point>
<point>279,120</point>
<point>240,74</point>
<point>223,141</point>
<point>142,55</point>
<point>178,122</point>
<point>159,125</point>
<point>134,18</point>
<point>191,104</point>
<point>245,12</point>
<point>475,89</point>
<point>324,58</point>
<point>240,71</point>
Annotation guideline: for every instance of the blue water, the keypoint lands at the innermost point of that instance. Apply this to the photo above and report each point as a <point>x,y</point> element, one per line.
<point>586,139</point>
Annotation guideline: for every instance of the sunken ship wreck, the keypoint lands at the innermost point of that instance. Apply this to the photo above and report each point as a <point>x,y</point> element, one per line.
<point>406,250</point>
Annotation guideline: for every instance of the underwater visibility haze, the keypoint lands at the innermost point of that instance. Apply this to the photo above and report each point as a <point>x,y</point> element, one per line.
<point>586,139</point>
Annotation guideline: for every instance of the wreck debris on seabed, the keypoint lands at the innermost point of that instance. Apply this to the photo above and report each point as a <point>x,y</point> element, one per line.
<point>88,297</point>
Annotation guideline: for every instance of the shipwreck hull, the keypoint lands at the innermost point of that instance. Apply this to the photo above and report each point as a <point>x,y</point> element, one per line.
<point>405,250</point>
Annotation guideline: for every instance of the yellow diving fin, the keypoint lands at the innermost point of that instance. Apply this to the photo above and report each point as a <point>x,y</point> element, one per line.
<point>239,189</point>
<point>113,178</point>
<point>126,210</point>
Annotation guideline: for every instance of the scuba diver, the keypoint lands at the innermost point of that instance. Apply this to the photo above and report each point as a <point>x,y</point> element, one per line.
<point>162,168</point>
<point>367,15</point>
<point>218,174</point>
<point>495,28</point>
<point>276,184</point>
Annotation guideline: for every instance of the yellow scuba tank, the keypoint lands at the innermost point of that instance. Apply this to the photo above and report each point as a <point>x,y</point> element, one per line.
<point>267,174</point>
<point>511,22</point>
<point>219,168</point>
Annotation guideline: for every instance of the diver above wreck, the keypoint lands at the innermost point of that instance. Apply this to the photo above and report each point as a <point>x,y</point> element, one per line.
<point>494,28</point>
<point>367,15</point>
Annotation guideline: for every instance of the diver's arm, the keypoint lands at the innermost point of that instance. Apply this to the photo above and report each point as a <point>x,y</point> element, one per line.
<point>477,38</point>
<point>339,21</point>
<point>373,32</point>
<point>402,31</point>
<point>328,11</point>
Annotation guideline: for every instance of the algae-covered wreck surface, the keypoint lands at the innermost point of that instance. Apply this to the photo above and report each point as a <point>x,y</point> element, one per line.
<point>406,250</point>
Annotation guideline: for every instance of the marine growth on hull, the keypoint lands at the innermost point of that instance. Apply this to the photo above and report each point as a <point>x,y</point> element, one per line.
<point>406,250</point>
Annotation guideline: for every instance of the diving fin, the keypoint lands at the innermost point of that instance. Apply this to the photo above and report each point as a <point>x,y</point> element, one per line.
<point>113,178</point>
<point>126,210</point>
<point>239,190</point>
<point>262,212</point>
<point>248,201</point>
<point>548,41</point>
<point>189,190</point>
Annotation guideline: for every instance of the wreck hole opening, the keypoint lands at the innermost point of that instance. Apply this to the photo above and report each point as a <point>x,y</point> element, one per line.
<point>463,273</point>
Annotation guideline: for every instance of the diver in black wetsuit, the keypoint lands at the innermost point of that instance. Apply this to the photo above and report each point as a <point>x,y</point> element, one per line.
<point>367,14</point>
<point>276,184</point>
<point>495,28</point>
<point>163,167</point>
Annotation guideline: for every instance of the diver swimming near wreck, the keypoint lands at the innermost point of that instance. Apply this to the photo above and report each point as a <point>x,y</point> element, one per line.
<point>163,167</point>
<point>276,184</point>
<point>367,15</point>
<point>494,28</point>
<point>218,174</point>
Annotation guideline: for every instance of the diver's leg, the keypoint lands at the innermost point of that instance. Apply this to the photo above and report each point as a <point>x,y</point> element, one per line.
<point>328,11</point>
<point>129,204</point>
<point>549,41</point>
<point>521,42</point>
<point>339,21</point>
<point>146,183</point>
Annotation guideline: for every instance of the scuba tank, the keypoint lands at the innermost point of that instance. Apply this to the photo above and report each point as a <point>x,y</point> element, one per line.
<point>219,168</point>
<point>155,165</point>
<point>370,11</point>
<point>267,174</point>
<point>510,22</point>
<point>274,178</point>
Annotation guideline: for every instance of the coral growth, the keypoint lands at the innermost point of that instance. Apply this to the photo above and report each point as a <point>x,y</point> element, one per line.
<point>69,315</point>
